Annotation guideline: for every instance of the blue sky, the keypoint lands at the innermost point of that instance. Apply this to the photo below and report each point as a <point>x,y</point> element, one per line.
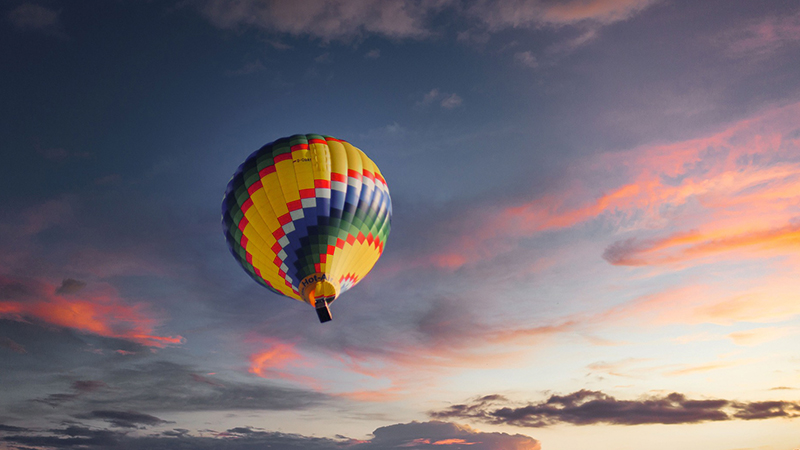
<point>594,237</point>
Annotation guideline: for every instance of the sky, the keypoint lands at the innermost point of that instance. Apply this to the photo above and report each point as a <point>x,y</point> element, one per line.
<point>595,235</point>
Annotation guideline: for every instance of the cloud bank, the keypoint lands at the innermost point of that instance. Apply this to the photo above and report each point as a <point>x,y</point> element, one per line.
<point>586,407</point>
<point>411,436</point>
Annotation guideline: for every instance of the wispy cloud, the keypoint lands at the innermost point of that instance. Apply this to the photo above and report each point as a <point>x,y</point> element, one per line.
<point>758,336</point>
<point>99,311</point>
<point>527,13</point>
<point>33,17</point>
<point>445,100</point>
<point>733,190</point>
<point>764,36</point>
<point>593,407</point>
<point>326,20</point>
<point>10,344</point>
<point>248,68</point>
<point>124,419</point>
<point>526,59</point>
<point>411,19</point>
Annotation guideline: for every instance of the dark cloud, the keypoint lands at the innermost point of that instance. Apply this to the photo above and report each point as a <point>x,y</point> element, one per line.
<point>71,437</point>
<point>12,429</point>
<point>58,399</point>
<point>70,286</point>
<point>413,436</point>
<point>766,410</point>
<point>176,432</point>
<point>125,419</point>
<point>11,345</point>
<point>591,407</point>
<point>167,386</point>
<point>625,252</point>
<point>79,388</point>
<point>87,385</point>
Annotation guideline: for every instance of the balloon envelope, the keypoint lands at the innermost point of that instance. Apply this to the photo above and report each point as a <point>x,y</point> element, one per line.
<point>307,217</point>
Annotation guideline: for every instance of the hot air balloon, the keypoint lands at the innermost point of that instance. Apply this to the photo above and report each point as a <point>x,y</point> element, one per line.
<point>307,217</point>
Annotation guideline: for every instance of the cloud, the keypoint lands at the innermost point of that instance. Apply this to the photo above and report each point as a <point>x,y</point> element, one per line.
<point>9,344</point>
<point>586,407</point>
<point>445,100</point>
<point>70,286</point>
<point>88,385</point>
<point>729,194</point>
<point>344,20</point>
<point>167,386</point>
<point>31,17</point>
<point>124,419</point>
<point>529,13</point>
<point>451,101</point>
<point>277,359</point>
<point>98,311</point>
<point>526,59</point>
<point>326,20</point>
<point>759,336</point>
<point>693,244</point>
<point>248,68</point>
<point>79,388</point>
<point>766,299</point>
<point>375,53</point>
<point>325,58</point>
<point>412,436</point>
<point>763,37</point>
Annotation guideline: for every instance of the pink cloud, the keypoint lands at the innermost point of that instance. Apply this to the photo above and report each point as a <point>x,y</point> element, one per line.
<point>733,190</point>
<point>277,359</point>
<point>278,355</point>
<point>764,36</point>
<point>96,311</point>
<point>527,13</point>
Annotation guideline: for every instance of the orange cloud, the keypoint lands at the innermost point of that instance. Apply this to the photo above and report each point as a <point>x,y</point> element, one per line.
<point>453,442</point>
<point>690,369</point>
<point>282,360</point>
<point>760,335</point>
<point>278,356</point>
<point>97,312</point>
<point>736,189</point>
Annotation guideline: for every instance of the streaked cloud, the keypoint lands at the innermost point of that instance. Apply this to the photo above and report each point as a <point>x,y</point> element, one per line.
<point>764,36</point>
<point>735,190</point>
<point>443,99</point>
<point>586,407</point>
<point>411,19</point>
<point>124,419</point>
<point>326,20</point>
<point>10,344</point>
<point>758,336</point>
<point>99,311</point>
<point>528,13</point>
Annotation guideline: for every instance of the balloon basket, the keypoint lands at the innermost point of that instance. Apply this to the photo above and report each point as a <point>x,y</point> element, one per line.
<point>323,311</point>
